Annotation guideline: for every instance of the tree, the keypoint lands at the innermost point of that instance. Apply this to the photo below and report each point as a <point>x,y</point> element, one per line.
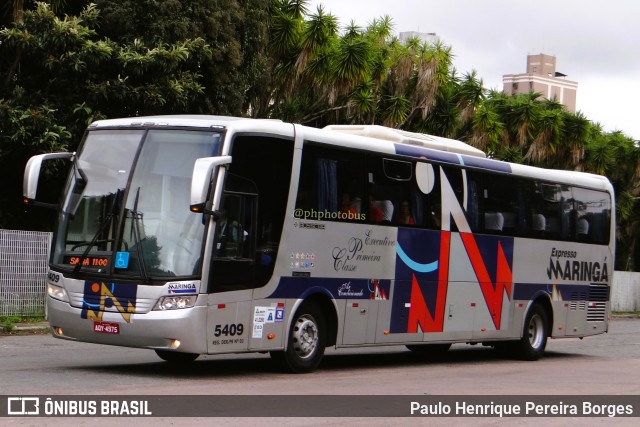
<point>45,56</point>
<point>235,30</point>
<point>618,157</point>
<point>321,77</point>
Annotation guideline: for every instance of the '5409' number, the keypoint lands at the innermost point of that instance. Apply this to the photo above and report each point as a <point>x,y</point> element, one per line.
<point>229,330</point>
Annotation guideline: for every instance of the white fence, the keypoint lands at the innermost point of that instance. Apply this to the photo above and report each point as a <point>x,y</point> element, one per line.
<point>625,292</point>
<point>24,257</point>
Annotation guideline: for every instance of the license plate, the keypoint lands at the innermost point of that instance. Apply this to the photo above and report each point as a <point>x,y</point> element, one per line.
<point>106,327</point>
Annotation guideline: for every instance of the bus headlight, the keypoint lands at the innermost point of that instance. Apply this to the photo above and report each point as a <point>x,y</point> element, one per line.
<point>57,292</point>
<point>176,302</point>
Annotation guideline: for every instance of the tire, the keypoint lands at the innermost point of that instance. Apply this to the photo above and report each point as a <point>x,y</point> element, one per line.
<point>429,349</point>
<point>306,342</point>
<point>534,334</point>
<point>176,357</point>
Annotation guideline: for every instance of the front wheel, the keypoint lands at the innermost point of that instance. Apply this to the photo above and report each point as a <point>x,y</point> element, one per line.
<point>176,357</point>
<point>307,340</point>
<point>534,335</point>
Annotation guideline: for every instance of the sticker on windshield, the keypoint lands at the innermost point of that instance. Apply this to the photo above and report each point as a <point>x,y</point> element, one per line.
<point>122,260</point>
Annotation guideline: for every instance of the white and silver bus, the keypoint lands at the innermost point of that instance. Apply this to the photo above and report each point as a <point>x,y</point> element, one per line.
<point>196,235</point>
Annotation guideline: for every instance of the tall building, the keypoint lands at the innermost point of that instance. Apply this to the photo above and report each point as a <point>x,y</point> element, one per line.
<point>542,77</point>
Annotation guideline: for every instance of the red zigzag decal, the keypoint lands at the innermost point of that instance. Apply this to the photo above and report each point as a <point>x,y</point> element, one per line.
<point>492,293</point>
<point>419,314</point>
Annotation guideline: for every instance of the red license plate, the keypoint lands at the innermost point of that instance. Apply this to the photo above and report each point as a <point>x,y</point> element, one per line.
<point>106,327</point>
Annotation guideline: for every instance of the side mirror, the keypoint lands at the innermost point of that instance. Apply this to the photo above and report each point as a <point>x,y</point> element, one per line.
<point>201,179</point>
<point>32,175</point>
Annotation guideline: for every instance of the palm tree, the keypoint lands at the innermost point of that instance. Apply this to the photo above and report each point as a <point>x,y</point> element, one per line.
<point>433,69</point>
<point>317,33</point>
<point>470,95</point>
<point>549,128</point>
<point>574,139</point>
<point>600,154</point>
<point>522,116</point>
<point>487,130</point>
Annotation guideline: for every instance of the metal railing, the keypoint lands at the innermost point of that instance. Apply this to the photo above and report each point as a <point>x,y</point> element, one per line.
<point>24,257</point>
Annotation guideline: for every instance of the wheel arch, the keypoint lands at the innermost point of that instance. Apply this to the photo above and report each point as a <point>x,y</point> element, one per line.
<point>328,307</point>
<point>545,302</point>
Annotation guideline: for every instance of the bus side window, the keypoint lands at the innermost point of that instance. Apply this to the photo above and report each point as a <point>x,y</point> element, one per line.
<point>592,212</point>
<point>331,185</point>
<point>503,205</point>
<point>473,203</point>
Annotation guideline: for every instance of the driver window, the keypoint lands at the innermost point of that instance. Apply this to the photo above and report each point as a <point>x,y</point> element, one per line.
<point>231,233</point>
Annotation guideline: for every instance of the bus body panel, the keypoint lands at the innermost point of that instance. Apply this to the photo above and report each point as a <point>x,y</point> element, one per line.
<point>386,283</point>
<point>228,322</point>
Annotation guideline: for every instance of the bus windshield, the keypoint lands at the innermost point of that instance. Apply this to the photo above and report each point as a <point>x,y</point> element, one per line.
<point>127,206</point>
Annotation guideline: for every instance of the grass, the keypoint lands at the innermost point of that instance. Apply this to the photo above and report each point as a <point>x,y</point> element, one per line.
<point>626,313</point>
<point>7,323</point>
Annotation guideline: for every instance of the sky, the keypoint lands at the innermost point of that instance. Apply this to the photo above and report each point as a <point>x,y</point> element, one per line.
<point>596,43</point>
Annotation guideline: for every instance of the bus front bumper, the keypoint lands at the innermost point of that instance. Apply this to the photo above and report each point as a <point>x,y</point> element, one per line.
<point>182,330</point>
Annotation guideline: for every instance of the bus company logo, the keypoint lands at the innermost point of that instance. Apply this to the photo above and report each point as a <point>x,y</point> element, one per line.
<point>100,297</point>
<point>564,265</point>
<point>23,406</point>
<point>182,288</point>
<point>345,291</point>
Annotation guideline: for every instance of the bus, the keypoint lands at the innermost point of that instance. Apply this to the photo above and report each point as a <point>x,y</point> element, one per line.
<point>193,235</point>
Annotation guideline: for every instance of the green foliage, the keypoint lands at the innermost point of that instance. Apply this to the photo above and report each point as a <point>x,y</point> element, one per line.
<point>8,323</point>
<point>59,74</point>
<point>66,64</point>
<point>234,32</point>
<point>362,75</point>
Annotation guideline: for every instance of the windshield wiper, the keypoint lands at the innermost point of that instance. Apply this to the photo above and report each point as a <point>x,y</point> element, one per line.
<point>94,240</point>
<point>136,234</point>
<point>103,227</point>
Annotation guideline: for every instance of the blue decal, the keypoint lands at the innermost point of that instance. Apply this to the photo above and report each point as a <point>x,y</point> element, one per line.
<point>335,288</point>
<point>418,260</point>
<point>122,260</point>
<point>427,153</point>
<point>454,158</point>
<point>490,164</point>
<point>421,268</point>
<point>99,297</point>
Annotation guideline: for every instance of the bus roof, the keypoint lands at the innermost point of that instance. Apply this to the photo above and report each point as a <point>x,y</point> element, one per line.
<point>375,137</point>
<point>187,120</point>
<point>411,138</point>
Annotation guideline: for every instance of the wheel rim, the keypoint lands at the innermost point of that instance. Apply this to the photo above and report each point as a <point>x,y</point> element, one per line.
<point>305,336</point>
<point>536,334</point>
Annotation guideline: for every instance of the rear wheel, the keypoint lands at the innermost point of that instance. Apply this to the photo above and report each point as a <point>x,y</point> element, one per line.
<point>534,335</point>
<point>176,357</point>
<point>307,340</point>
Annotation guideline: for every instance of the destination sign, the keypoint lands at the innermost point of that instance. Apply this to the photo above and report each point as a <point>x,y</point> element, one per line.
<point>89,261</point>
